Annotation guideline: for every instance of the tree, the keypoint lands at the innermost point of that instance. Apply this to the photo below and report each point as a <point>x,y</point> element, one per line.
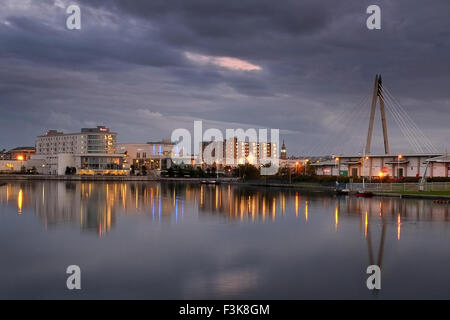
<point>200,173</point>
<point>170,172</point>
<point>228,169</point>
<point>310,170</point>
<point>247,171</point>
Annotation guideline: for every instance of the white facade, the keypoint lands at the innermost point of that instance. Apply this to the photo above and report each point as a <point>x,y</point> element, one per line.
<point>15,166</point>
<point>89,140</point>
<point>394,166</point>
<point>146,150</point>
<point>233,152</point>
<point>91,151</point>
<point>152,155</point>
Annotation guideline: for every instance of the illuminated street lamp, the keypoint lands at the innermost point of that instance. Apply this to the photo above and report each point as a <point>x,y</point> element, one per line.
<point>306,163</point>
<point>398,165</point>
<point>21,158</point>
<point>337,167</point>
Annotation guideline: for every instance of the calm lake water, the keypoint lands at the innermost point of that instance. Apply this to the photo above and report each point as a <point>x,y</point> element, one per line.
<point>181,241</point>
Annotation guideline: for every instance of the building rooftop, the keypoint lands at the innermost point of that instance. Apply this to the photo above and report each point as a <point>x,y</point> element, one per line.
<point>392,155</point>
<point>324,163</point>
<point>164,141</point>
<point>444,158</point>
<point>98,129</point>
<point>23,149</point>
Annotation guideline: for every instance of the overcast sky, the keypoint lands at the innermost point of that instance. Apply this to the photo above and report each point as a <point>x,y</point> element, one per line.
<point>145,68</point>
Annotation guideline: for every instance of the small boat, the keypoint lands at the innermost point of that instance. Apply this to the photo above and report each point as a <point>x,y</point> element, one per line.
<point>364,194</point>
<point>342,191</point>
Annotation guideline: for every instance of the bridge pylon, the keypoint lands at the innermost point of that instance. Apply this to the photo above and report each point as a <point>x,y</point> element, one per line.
<point>377,95</point>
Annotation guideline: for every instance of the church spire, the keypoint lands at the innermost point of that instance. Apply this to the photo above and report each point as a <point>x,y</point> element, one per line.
<point>283,151</point>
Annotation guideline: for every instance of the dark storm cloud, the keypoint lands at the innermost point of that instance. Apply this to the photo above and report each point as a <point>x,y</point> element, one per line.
<point>147,67</point>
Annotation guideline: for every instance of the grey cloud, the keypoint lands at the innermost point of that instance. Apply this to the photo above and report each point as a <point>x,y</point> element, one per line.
<point>317,59</point>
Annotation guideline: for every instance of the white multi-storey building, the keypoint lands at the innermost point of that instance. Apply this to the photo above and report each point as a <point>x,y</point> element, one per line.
<point>89,140</point>
<point>91,151</point>
<point>235,152</point>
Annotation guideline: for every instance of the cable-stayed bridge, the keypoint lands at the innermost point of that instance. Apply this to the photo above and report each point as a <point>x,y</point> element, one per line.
<point>354,128</point>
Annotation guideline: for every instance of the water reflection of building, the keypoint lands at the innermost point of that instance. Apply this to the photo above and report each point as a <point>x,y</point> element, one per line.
<point>242,203</point>
<point>390,208</point>
<point>95,206</point>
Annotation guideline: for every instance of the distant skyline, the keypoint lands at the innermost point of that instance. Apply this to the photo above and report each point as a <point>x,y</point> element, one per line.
<point>145,68</point>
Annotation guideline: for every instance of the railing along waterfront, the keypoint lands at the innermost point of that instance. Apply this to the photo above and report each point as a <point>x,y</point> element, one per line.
<point>400,187</point>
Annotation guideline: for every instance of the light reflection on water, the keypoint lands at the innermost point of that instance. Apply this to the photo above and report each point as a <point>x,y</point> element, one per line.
<point>206,241</point>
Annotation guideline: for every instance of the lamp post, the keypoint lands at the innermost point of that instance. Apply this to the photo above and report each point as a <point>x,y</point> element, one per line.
<point>370,176</point>
<point>21,158</point>
<point>290,177</point>
<point>306,163</point>
<point>398,166</point>
<point>337,167</point>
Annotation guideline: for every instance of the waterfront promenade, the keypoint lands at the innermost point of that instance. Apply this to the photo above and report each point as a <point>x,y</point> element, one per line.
<point>28,177</point>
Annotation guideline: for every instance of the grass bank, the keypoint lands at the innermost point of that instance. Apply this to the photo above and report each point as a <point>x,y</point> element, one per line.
<point>423,193</point>
<point>430,195</point>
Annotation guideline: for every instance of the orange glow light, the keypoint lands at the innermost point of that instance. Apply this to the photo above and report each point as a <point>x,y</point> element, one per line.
<point>336,218</point>
<point>20,157</point>
<point>306,211</point>
<point>20,201</point>
<point>366,224</point>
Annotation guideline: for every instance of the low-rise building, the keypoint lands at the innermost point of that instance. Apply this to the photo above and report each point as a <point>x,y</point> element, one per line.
<point>22,153</point>
<point>4,155</point>
<point>394,166</point>
<point>22,166</point>
<point>19,153</point>
<point>141,157</point>
<point>294,165</point>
